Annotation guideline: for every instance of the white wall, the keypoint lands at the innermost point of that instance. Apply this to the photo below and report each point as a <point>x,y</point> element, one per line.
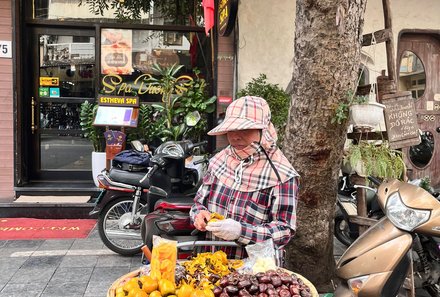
<point>266,35</point>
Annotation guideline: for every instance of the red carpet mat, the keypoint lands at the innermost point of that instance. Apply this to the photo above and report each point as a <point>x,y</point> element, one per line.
<point>27,228</point>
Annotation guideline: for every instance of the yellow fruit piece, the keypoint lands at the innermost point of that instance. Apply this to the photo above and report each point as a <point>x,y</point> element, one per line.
<point>198,293</point>
<point>155,294</point>
<point>185,290</point>
<point>166,287</point>
<point>208,292</point>
<point>120,294</point>
<point>149,284</point>
<point>133,292</point>
<point>130,285</point>
<point>119,290</point>
<point>140,293</point>
<point>215,217</point>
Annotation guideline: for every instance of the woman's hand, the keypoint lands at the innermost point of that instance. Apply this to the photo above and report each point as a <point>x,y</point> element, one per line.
<point>201,219</point>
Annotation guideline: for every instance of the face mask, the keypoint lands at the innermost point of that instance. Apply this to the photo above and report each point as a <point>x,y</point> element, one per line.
<point>247,151</point>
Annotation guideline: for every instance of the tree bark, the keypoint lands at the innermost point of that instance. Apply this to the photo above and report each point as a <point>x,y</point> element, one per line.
<point>328,40</point>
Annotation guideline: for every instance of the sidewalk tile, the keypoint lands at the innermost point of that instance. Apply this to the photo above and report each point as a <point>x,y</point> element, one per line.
<point>79,261</point>
<point>42,262</point>
<point>16,290</point>
<point>71,274</point>
<point>32,275</point>
<point>65,289</point>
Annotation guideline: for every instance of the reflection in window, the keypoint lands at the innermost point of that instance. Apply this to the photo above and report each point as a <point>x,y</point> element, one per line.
<point>421,154</point>
<point>65,153</point>
<point>412,75</point>
<point>128,57</point>
<point>158,12</point>
<point>61,116</point>
<point>71,60</point>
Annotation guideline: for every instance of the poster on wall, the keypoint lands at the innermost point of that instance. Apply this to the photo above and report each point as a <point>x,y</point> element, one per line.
<point>116,51</point>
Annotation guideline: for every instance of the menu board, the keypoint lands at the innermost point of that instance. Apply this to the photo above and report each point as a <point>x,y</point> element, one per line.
<point>401,120</point>
<point>116,116</point>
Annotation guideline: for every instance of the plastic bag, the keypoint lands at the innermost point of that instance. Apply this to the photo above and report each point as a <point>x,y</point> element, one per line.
<point>163,259</point>
<point>261,256</point>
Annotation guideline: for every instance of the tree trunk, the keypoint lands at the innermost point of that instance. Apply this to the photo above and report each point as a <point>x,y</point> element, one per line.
<point>328,39</point>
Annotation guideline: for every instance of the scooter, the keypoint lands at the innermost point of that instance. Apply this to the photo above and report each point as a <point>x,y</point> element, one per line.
<point>404,242</point>
<point>344,230</point>
<point>129,196</point>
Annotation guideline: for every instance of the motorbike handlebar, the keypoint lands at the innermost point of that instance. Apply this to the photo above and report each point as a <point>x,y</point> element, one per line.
<point>150,173</point>
<point>201,143</point>
<point>374,180</point>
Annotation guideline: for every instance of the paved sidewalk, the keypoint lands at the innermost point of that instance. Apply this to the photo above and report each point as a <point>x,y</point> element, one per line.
<point>58,268</point>
<point>65,267</point>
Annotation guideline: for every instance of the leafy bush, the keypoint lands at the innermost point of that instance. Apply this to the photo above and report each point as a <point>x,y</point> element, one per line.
<point>93,133</point>
<point>277,98</point>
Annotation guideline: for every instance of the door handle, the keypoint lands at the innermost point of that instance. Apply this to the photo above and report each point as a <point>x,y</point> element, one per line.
<point>33,125</point>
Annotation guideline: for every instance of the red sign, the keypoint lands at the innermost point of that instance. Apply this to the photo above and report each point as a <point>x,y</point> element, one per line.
<point>224,99</point>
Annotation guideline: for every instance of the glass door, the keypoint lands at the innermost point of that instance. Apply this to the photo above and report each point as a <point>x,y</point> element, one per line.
<point>64,77</point>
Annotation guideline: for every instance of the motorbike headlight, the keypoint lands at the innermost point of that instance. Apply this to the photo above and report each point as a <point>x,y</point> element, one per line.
<point>356,284</point>
<point>402,216</point>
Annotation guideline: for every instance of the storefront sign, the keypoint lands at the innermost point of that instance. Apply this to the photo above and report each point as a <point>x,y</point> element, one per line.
<point>114,84</point>
<point>5,49</point>
<point>118,100</point>
<point>401,120</point>
<point>49,81</point>
<point>227,14</point>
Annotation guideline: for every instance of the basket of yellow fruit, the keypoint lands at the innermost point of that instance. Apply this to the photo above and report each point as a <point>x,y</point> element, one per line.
<point>208,274</point>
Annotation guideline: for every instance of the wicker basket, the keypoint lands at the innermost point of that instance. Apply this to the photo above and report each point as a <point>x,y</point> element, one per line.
<point>123,279</point>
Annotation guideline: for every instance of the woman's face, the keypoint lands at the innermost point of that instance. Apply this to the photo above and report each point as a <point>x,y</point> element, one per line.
<point>242,138</point>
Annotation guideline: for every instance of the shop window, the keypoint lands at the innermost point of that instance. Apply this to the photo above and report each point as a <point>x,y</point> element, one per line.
<point>72,63</point>
<point>163,12</point>
<point>128,56</point>
<point>412,75</point>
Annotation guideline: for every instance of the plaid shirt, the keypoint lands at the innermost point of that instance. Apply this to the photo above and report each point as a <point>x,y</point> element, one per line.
<point>263,214</point>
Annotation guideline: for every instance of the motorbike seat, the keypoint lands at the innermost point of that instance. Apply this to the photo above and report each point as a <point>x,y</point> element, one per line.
<point>129,177</point>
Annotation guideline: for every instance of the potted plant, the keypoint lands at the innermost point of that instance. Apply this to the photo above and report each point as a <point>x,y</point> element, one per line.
<point>363,114</point>
<point>183,99</point>
<point>372,159</point>
<point>95,135</point>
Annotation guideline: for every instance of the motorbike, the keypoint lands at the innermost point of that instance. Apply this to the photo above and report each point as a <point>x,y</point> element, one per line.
<point>346,207</point>
<point>404,242</point>
<point>129,196</point>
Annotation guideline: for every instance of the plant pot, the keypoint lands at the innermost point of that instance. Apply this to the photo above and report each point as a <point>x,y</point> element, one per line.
<point>366,116</point>
<point>98,164</point>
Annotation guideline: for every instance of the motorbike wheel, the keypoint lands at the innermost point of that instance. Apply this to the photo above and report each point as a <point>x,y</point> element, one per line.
<point>342,229</point>
<point>114,229</point>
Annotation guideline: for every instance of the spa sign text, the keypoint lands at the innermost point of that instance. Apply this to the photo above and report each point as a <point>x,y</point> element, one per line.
<point>115,84</point>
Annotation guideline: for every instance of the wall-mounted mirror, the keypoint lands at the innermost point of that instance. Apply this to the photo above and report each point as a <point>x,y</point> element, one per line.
<point>412,74</point>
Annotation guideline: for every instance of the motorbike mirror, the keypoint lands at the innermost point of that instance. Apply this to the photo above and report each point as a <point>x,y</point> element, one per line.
<point>192,118</point>
<point>137,145</point>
